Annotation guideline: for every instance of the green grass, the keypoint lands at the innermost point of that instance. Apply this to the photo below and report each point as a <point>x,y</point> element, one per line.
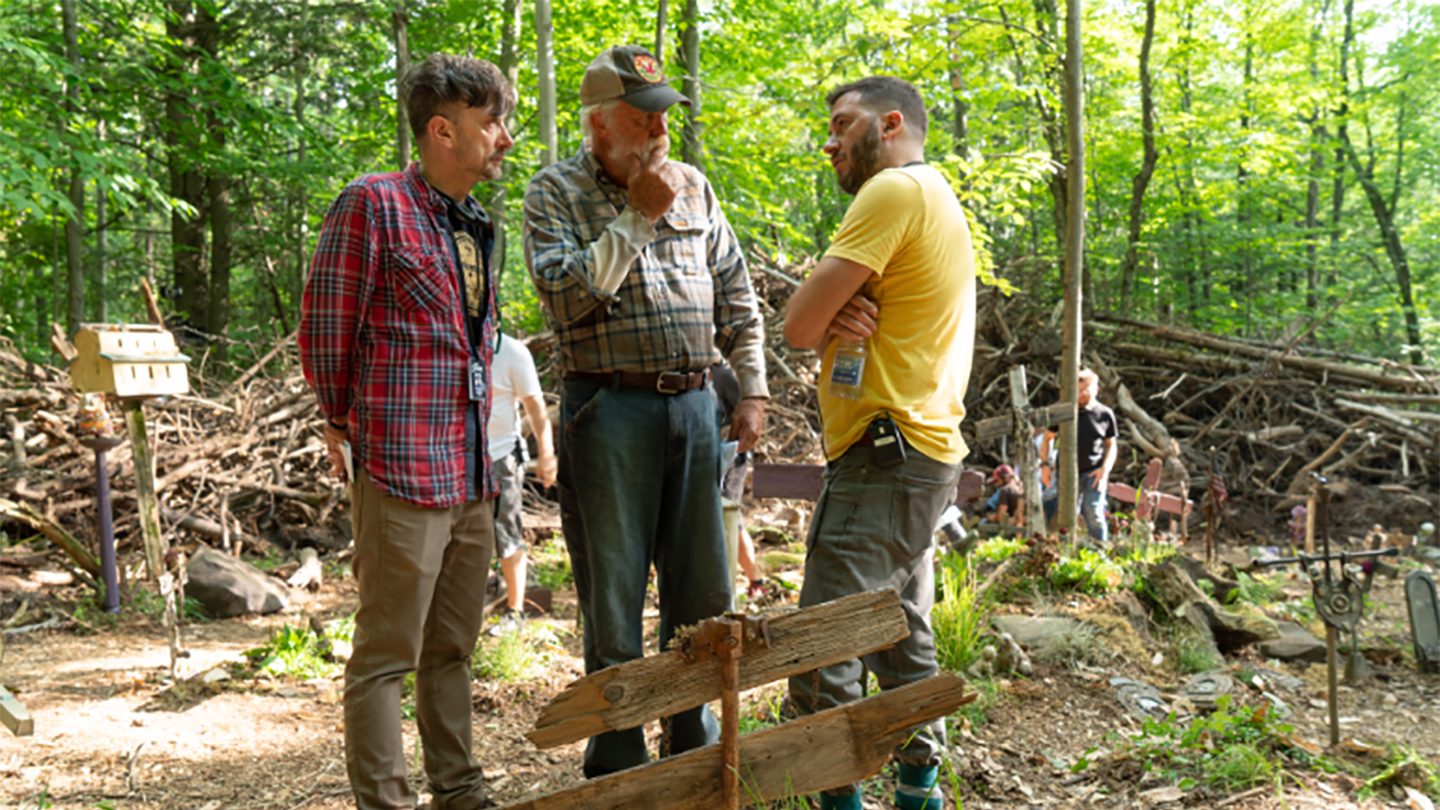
<point>1078,645</point>
<point>507,658</point>
<point>1238,766</point>
<point>960,619</point>
<point>1233,748</point>
<point>1257,591</point>
<point>998,549</point>
<point>1193,653</point>
<point>517,656</point>
<point>1404,766</point>
<point>550,564</point>
<point>299,654</point>
<point>294,652</point>
<point>763,713</point>
<point>1087,571</point>
<point>977,711</point>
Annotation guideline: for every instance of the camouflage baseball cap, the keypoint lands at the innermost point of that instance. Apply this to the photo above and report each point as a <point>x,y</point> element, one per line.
<point>631,74</point>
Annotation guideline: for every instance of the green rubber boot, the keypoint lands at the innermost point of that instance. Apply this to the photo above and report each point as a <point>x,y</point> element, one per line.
<point>850,801</point>
<point>916,788</point>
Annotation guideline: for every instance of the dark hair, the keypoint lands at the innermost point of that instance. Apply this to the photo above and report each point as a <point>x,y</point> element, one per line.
<point>443,79</point>
<point>881,94</point>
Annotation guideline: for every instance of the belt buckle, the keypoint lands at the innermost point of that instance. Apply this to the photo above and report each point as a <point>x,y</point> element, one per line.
<point>662,388</point>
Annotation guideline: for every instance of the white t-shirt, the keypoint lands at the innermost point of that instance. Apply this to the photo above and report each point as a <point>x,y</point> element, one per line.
<point>512,378</point>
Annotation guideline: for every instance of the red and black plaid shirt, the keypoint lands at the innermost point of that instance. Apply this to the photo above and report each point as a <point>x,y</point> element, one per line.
<point>383,340</point>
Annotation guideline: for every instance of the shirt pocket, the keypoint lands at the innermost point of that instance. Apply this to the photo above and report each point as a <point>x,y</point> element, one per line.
<point>682,244</point>
<point>419,282</point>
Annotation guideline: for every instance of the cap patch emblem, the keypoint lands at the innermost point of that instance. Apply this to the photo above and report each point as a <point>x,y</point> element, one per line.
<point>647,68</point>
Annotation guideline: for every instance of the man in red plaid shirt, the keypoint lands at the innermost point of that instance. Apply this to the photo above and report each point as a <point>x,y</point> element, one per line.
<point>397,331</point>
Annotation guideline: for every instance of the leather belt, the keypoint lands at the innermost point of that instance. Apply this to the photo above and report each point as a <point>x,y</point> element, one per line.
<point>664,382</point>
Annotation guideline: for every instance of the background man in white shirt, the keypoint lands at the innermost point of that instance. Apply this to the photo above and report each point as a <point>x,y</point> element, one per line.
<point>514,381</point>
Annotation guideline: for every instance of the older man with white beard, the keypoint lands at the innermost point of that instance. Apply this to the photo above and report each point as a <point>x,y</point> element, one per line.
<point>645,286</point>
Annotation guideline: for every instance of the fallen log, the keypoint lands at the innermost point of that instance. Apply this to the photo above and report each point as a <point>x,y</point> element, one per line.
<point>53,532</point>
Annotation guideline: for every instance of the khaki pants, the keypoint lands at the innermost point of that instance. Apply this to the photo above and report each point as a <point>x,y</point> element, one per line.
<point>421,574</point>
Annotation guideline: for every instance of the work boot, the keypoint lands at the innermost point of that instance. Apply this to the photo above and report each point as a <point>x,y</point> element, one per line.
<point>916,788</point>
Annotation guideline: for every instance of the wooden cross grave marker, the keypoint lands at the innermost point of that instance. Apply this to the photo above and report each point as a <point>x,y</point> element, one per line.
<point>1020,425</point>
<point>718,659</point>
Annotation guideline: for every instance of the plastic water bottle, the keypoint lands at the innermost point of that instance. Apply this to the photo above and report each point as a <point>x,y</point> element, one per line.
<point>847,370</point>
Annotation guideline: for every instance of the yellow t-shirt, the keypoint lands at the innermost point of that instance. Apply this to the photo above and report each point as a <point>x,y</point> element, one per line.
<point>907,226</point>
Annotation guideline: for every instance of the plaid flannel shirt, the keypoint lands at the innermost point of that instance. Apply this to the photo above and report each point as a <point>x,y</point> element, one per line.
<point>383,340</point>
<point>686,298</point>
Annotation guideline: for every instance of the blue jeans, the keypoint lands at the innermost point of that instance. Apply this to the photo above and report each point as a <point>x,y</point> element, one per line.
<point>1092,508</point>
<point>639,485</point>
<point>874,527</point>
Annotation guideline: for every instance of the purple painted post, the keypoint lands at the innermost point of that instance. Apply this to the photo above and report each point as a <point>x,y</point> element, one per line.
<point>107,522</point>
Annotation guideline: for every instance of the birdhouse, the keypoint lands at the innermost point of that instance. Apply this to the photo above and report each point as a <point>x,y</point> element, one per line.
<point>128,360</point>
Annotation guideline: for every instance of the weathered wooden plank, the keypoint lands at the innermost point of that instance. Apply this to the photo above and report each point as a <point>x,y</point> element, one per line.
<point>997,426</point>
<point>638,691</point>
<point>819,751</point>
<point>1167,502</point>
<point>14,715</point>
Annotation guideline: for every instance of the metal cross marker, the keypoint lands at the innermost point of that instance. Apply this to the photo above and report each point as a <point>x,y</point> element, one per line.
<point>1339,595</point>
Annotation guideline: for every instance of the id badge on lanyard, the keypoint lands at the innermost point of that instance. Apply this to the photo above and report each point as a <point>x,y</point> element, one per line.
<point>477,380</point>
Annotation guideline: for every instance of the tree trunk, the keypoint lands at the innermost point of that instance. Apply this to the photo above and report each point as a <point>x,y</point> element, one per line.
<point>1242,179</point>
<point>510,66</point>
<point>694,148</point>
<point>1394,248</point>
<point>1147,163</point>
<point>1383,212</point>
<point>298,191</point>
<point>400,25</point>
<point>1074,256</point>
<point>662,10</point>
<point>75,223</point>
<point>99,280</point>
<point>545,70</point>
<point>1337,191</point>
<point>1052,125</point>
<point>218,321</point>
<point>1317,165</point>
<point>187,230</point>
<point>1197,269</point>
<point>959,99</point>
<point>217,198</point>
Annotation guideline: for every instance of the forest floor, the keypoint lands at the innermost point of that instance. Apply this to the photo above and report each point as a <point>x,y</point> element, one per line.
<point>113,731</point>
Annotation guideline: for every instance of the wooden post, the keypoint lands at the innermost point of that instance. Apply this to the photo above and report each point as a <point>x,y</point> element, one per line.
<point>731,648</point>
<point>1310,524</point>
<point>1021,425</point>
<point>14,715</point>
<point>145,495</point>
<point>1025,450</point>
<point>148,501</point>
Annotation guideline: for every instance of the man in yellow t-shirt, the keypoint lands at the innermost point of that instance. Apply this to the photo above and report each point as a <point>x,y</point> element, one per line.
<point>899,278</point>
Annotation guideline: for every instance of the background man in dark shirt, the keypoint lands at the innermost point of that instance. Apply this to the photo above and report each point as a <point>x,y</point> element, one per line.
<point>1096,431</point>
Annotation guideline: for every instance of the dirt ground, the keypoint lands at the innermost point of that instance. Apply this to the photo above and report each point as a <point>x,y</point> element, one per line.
<point>112,732</point>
